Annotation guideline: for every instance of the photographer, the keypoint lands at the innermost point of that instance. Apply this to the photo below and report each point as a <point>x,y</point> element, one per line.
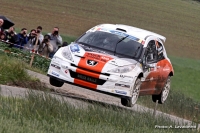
<point>39,32</point>
<point>11,36</point>
<point>33,41</point>
<point>22,38</point>
<point>1,24</point>
<point>56,40</point>
<point>45,48</point>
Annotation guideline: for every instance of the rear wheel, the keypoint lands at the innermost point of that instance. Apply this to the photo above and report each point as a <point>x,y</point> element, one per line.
<point>55,82</point>
<point>162,97</point>
<point>130,101</point>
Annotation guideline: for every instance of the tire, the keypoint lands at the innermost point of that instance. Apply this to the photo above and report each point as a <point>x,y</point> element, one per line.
<point>130,101</point>
<point>162,97</point>
<point>55,82</point>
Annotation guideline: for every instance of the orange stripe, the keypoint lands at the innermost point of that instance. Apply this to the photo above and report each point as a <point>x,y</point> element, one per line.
<point>101,59</point>
<point>84,83</point>
<point>91,74</point>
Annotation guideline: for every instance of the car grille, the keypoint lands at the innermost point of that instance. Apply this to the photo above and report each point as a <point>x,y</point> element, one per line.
<point>87,78</point>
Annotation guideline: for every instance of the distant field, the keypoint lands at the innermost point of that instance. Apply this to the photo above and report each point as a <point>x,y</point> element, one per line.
<point>177,20</point>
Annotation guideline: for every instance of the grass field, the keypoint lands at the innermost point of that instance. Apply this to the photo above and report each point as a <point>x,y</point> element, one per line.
<point>45,114</point>
<point>177,20</point>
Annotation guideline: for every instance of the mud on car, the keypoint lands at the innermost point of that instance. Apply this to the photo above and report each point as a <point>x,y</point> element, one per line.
<point>115,59</point>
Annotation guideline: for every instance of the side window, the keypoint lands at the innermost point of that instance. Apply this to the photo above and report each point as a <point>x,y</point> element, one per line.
<point>160,51</point>
<point>151,52</point>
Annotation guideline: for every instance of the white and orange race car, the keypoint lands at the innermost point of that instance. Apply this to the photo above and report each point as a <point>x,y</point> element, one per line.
<point>115,59</point>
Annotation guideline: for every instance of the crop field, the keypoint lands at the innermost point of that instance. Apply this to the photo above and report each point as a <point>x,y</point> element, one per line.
<point>177,20</point>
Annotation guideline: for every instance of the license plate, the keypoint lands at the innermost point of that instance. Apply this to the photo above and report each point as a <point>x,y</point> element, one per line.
<point>86,78</point>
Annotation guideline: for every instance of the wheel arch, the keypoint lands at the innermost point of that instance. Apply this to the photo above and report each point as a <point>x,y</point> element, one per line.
<point>171,74</point>
<point>141,75</point>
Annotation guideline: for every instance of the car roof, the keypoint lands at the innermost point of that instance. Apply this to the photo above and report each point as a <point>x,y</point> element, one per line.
<point>133,31</point>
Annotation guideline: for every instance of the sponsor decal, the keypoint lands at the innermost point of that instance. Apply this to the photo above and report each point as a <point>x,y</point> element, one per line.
<point>98,57</point>
<point>55,74</point>
<point>53,65</point>
<point>125,76</point>
<point>124,35</point>
<point>122,85</point>
<point>105,58</point>
<point>66,71</point>
<point>94,56</point>
<point>121,92</point>
<point>92,62</point>
<point>75,48</point>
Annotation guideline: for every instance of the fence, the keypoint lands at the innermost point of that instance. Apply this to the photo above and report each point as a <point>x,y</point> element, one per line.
<point>27,54</point>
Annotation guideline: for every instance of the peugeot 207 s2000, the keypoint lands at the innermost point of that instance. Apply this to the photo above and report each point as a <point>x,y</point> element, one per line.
<point>120,60</point>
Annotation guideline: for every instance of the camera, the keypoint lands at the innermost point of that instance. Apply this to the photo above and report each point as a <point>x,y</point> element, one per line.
<point>34,34</point>
<point>55,33</point>
<point>46,40</point>
<point>12,32</point>
<point>38,31</point>
<point>24,32</point>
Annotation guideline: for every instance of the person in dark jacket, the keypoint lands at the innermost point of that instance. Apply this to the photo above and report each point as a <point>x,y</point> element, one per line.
<point>11,36</point>
<point>22,38</point>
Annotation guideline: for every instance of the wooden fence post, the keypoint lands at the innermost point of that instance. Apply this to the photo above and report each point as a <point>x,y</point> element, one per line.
<point>154,112</point>
<point>32,58</point>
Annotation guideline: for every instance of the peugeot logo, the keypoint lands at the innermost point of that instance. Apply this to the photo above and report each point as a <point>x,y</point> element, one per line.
<point>91,62</point>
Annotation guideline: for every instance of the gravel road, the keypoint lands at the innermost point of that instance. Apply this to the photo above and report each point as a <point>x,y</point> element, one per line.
<point>76,95</point>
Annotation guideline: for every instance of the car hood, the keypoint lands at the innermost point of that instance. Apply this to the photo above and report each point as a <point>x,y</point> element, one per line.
<point>97,60</point>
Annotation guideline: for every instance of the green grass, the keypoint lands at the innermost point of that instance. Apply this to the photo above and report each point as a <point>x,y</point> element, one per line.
<point>43,113</point>
<point>186,79</point>
<point>177,20</point>
<point>12,72</point>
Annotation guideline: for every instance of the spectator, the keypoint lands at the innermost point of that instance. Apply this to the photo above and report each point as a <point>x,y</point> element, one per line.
<point>63,45</point>
<point>11,36</point>
<point>33,41</point>
<point>3,37</point>
<point>39,31</point>
<point>1,28</point>
<point>45,48</point>
<point>22,37</point>
<point>55,40</point>
<point>1,24</point>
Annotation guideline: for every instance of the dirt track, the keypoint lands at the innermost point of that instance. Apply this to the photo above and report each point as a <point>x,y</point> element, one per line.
<point>76,96</point>
<point>78,92</point>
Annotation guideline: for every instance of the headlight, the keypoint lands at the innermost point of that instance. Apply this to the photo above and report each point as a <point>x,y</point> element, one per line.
<point>67,53</point>
<point>123,69</point>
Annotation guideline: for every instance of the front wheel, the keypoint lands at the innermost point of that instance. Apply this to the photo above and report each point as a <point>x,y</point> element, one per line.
<point>55,82</point>
<point>130,101</point>
<point>162,97</point>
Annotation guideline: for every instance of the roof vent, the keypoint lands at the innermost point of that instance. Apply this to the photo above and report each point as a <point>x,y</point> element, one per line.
<point>121,29</point>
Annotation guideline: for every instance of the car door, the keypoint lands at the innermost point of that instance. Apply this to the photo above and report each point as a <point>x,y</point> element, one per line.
<point>164,67</point>
<point>151,69</point>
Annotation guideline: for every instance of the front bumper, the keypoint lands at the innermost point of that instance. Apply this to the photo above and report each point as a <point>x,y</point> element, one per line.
<point>116,84</point>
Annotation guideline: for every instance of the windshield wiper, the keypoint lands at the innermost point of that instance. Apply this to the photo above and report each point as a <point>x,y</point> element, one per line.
<point>119,42</point>
<point>136,51</point>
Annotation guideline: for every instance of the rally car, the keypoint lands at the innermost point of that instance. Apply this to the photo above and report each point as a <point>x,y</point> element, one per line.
<point>115,59</point>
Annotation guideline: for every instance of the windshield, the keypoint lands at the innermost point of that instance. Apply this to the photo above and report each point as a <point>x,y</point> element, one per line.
<point>116,42</point>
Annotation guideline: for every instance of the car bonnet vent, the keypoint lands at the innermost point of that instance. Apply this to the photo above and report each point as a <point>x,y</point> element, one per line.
<point>121,29</point>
